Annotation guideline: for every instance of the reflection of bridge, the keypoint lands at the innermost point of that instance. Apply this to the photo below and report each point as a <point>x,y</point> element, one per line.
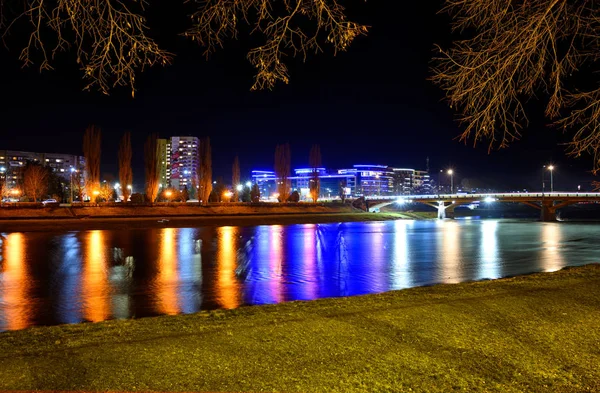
<point>548,203</point>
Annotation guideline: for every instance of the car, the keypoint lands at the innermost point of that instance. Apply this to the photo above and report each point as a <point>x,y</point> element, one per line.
<point>45,202</point>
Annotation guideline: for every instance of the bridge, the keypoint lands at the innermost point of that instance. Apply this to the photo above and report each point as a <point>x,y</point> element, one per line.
<point>547,202</point>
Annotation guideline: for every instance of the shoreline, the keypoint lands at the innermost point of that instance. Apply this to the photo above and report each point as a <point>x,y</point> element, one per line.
<point>537,332</point>
<point>182,221</point>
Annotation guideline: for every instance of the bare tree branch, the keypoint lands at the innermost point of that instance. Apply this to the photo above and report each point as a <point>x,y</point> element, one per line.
<point>281,24</point>
<point>518,48</point>
<point>109,38</point>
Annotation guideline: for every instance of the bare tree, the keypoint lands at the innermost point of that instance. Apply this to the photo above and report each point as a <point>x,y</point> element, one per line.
<point>205,172</point>
<point>91,151</point>
<point>105,192</point>
<point>283,170</point>
<point>151,160</point>
<point>235,179</point>
<point>35,181</point>
<point>125,171</point>
<point>4,191</point>
<point>111,43</point>
<point>315,163</point>
<point>516,50</point>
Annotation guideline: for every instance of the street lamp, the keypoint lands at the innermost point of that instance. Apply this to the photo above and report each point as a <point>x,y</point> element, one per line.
<point>248,184</point>
<point>168,194</point>
<point>451,173</point>
<point>72,170</point>
<point>551,169</point>
<point>239,187</point>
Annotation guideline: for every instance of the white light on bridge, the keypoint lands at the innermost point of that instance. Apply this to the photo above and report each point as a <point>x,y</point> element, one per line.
<point>489,199</point>
<point>400,201</point>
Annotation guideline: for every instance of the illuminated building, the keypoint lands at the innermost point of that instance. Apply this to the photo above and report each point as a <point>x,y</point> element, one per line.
<point>12,163</point>
<point>181,158</point>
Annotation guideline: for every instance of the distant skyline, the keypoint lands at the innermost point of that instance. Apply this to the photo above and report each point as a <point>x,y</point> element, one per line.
<point>370,105</point>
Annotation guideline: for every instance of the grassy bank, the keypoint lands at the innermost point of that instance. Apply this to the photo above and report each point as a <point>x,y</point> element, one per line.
<point>538,333</point>
<point>88,223</point>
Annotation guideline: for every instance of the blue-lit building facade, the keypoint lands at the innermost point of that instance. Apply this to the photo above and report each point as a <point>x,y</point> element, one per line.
<point>360,180</point>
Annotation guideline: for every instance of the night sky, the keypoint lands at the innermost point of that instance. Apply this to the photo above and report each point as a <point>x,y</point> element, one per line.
<point>372,104</point>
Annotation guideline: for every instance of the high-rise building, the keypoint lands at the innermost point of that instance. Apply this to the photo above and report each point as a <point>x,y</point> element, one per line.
<point>182,161</point>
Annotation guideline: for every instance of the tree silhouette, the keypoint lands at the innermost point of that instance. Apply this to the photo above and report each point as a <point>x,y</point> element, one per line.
<point>125,171</point>
<point>315,163</point>
<point>35,181</point>
<point>91,150</point>
<point>283,170</point>
<point>518,50</point>
<point>235,179</point>
<point>151,167</point>
<point>111,41</point>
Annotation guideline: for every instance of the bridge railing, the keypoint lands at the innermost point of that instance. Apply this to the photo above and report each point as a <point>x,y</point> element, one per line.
<point>475,197</point>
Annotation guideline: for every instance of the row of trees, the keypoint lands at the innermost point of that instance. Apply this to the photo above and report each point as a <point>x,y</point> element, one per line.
<point>37,178</point>
<point>283,169</point>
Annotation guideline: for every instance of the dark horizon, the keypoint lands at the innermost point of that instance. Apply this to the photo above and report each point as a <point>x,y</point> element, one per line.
<point>372,105</point>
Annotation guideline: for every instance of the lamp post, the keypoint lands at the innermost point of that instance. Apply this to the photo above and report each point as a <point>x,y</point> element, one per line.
<point>72,170</point>
<point>551,168</point>
<point>451,173</point>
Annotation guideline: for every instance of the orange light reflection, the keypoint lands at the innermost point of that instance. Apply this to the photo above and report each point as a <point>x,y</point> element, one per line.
<point>95,285</point>
<point>167,279</point>
<point>227,286</point>
<point>15,282</point>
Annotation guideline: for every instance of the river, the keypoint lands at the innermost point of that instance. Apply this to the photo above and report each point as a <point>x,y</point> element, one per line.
<point>49,278</point>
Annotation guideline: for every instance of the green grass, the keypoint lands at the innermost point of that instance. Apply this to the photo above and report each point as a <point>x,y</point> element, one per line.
<point>537,333</point>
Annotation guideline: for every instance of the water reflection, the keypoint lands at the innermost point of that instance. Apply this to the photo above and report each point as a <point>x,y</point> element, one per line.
<point>401,262</point>
<point>551,253</point>
<point>68,280</point>
<point>263,282</point>
<point>95,285</point>
<point>450,252</point>
<point>15,283</point>
<point>49,278</point>
<point>490,263</point>
<point>227,286</point>
<point>166,279</point>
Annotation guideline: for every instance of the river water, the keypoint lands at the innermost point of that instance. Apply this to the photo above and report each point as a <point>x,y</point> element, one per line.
<point>51,278</point>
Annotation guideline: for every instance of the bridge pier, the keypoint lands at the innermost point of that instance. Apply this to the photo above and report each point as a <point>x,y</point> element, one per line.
<point>445,211</point>
<point>548,212</point>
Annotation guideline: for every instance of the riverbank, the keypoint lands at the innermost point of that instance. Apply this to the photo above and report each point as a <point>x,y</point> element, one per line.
<point>64,219</point>
<point>536,333</point>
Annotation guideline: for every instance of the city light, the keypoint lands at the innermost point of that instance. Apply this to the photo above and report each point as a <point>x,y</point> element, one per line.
<point>400,201</point>
<point>15,191</point>
<point>239,187</point>
<point>248,184</point>
<point>117,185</point>
<point>96,192</point>
<point>489,199</point>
